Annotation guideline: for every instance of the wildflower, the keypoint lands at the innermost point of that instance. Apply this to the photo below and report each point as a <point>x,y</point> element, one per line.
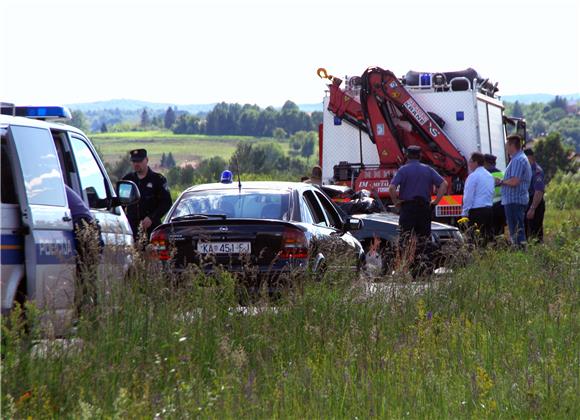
<point>24,397</point>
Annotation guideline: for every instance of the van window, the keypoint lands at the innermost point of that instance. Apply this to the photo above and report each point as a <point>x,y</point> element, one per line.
<point>40,167</point>
<point>8,192</point>
<point>91,177</point>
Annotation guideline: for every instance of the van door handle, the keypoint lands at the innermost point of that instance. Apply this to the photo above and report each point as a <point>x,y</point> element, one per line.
<point>66,219</point>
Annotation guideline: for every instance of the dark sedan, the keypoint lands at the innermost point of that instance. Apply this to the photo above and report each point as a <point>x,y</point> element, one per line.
<point>267,228</point>
<point>381,227</point>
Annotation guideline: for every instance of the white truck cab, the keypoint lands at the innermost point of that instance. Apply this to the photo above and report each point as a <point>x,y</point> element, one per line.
<point>39,157</point>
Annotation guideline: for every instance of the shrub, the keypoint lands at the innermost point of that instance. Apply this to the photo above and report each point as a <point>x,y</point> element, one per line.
<point>563,192</point>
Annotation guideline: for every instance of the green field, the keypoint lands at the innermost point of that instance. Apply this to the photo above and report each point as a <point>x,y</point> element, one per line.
<point>186,148</point>
<point>497,338</point>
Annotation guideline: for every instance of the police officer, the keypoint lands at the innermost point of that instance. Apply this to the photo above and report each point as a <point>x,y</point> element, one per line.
<point>88,244</point>
<point>416,181</point>
<point>536,207</point>
<point>497,210</point>
<point>155,197</point>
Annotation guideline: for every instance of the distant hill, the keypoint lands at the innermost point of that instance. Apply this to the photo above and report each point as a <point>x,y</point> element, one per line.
<point>538,97</point>
<point>134,105</point>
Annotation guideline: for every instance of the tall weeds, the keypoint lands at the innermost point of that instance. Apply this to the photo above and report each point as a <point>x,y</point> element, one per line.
<point>497,338</point>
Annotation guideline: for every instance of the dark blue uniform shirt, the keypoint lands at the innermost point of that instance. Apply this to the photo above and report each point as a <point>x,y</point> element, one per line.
<point>537,183</point>
<point>78,208</point>
<point>416,180</point>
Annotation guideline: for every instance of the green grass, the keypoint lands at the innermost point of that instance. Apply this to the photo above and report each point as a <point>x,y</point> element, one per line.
<point>184,147</point>
<point>497,339</point>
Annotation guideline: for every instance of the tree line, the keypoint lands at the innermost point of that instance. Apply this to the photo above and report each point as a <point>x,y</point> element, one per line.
<point>245,120</point>
<point>224,119</point>
<point>558,115</point>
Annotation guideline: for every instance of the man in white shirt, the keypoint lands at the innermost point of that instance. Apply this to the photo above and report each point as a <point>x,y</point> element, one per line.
<point>478,199</point>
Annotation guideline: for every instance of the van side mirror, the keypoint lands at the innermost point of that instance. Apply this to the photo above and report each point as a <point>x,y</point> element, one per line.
<point>352,223</point>
<point>127,194</point>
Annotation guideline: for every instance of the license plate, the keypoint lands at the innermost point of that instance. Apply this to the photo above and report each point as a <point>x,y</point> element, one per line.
<point>224,247</point>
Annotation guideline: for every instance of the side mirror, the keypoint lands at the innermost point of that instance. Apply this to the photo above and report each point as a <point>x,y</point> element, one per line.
<point>127,194</point>
<point>352,223</point>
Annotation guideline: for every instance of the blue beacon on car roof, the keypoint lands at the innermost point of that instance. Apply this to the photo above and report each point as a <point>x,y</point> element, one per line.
<point>42,112</point>
<point>226,177</point>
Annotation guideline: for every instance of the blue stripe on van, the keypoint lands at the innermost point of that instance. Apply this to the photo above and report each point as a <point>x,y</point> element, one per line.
<point>52,247</point>
<point>12,249</point>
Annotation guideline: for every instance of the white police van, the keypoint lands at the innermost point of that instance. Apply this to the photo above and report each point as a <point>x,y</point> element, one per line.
<point>39,157</point>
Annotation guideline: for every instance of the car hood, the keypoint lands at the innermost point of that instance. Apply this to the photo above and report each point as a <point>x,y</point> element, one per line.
<point>394,219</point>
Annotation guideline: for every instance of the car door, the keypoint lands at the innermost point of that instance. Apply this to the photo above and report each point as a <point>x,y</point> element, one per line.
<point>96,190</point>
<point>328,240</point>
<point>46,221</point>
<point>345,244</point>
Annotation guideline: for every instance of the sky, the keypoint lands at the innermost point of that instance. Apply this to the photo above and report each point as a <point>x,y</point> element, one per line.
<point>265,52</point>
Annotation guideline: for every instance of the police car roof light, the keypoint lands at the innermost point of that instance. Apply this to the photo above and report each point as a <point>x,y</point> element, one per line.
<point>227,177</point>
<point>43,112</point>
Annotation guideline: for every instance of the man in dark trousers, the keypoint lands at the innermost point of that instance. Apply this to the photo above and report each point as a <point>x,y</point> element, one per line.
<point>497,208</point>
<point>478,200</point>
<point>155,197</point>
<point>416,181</point>
<point>536,207</point>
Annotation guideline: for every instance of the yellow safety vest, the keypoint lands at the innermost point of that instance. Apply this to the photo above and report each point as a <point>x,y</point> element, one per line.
<point>497,191</point>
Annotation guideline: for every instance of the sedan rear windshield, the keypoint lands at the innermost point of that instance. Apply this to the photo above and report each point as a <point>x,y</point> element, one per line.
<point>256,204</point>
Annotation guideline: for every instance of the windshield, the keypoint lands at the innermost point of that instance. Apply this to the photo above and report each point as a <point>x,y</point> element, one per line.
<point>249,204</point>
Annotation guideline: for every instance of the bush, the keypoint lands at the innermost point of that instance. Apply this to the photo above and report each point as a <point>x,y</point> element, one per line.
<point>563,192</point>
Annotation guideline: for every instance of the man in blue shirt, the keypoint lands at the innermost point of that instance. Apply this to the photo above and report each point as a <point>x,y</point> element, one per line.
<point>478,199</point>
<point>514,190</point>
<point>536,207</point>
<point>416,181</point>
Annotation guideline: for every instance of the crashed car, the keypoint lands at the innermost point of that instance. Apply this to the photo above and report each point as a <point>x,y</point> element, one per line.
<point>380,230</point>
<point>257,230</point>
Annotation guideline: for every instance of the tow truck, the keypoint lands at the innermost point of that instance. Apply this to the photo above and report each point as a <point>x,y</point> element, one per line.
<point>370,121</point>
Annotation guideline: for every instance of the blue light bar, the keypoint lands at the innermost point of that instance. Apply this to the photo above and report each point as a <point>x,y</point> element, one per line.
<point>226,177</point>
<point>425,79</point>
<point>43,112</point>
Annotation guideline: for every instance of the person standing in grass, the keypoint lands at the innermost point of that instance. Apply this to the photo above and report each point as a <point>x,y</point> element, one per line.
<point>315,176</point>
<point>497,209</point>
<point>478,199</point>
<point>514,190</point>
<point>155,197</point>
<point>416,182</point>
<point>536,207</point>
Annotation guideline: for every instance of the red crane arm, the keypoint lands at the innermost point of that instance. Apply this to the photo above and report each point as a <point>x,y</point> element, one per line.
<point>381,93</point>
<point>384,106</point>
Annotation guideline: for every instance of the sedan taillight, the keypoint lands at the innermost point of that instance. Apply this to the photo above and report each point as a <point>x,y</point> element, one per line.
<point>294,244</point>
<point>160,245</point>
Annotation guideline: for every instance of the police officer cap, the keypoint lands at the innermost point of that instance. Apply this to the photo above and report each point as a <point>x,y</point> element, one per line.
<point>138,155</point>
<point>489,158</point>
<point>413,151</point>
